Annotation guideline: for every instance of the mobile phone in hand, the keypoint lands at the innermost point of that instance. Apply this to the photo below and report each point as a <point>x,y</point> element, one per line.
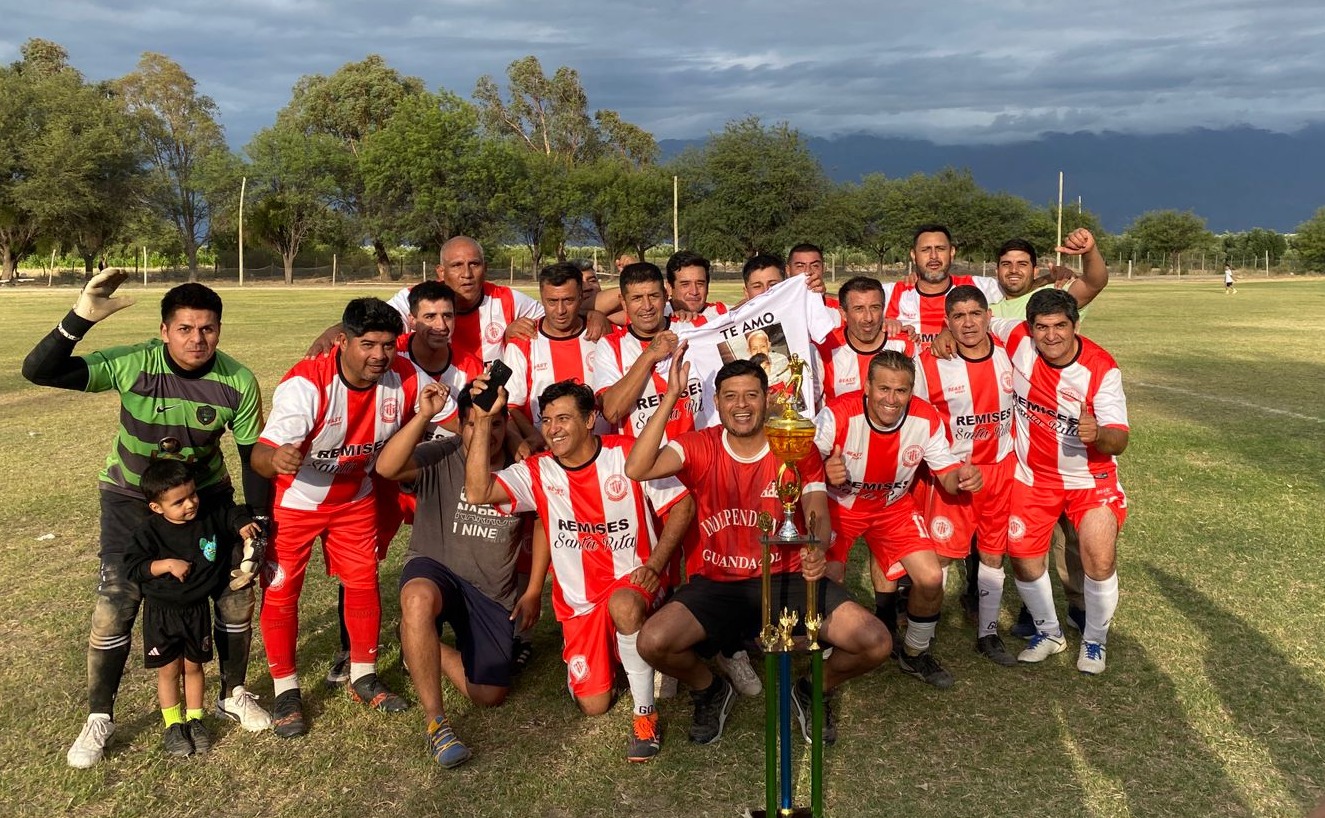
<point>498,374</point>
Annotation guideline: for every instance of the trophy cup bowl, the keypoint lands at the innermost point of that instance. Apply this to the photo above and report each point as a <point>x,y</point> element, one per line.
<point>790,438</point>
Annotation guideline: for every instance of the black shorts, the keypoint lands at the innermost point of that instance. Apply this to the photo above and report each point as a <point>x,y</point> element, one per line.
<point>484,632</point>
<point>169,633</point>
<point>730,612</point>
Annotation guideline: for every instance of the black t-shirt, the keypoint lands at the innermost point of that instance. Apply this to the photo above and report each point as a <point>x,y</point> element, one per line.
<point>207,542</point>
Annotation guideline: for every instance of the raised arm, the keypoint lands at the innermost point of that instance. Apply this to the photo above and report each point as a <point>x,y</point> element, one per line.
<point>1094,271</point>
<point>51,362</point>
<point>480,486</point>
<point>396,460</point>
<point>647,459</point>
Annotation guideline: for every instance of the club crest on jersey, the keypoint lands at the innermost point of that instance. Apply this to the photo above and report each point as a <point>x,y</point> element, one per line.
<point>1071,394</point>
<point>578,667</point>
<point>940,528</point>
<point>390,410</point>
<point>1005,381</point>
<point>492,332</point>
<point>616,487</point>
<point>912,455</point>
<point>1016,528</point>
<point>205,414</point>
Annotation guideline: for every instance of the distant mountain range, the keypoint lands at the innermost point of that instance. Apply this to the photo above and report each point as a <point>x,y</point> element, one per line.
<point>1237,178</point>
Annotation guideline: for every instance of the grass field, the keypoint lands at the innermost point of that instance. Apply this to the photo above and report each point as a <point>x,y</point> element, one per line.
<point>1213,703</point>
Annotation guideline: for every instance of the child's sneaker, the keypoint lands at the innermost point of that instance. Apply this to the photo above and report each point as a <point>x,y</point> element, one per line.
<point>200,736</point>
<point>176,740</point>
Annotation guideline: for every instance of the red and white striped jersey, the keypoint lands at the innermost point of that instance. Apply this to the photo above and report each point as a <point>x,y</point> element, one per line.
<point>461,369</point>
<point>729,493</point>
<point>840,368</point>
<point>712,310</point>
<point>600,524</point>
<point>881,463</point>
<point>481,330</point>
<point>924,311</point>
<point>614,356</point>
<point>339,429</point>
<point>975,400</point>
<point>1049,403</point>
<point>538,362</point>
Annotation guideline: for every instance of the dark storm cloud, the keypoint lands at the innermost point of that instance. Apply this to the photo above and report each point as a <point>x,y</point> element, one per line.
<point>963,72</point>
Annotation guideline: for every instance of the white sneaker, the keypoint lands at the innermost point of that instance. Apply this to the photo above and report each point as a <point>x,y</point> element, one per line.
<point>90,746</point>
<point>1042,646</point>
<point>243,707</point>
<point>665,687</point>
<point>1090,659</point>
<point>741,674</point>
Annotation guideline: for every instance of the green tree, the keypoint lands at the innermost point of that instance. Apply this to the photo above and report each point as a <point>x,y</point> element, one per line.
<point>1309,241</point>
<point>351,105</point>
<point>179,131</point>
<point>1169,233</point>
<point>533,199</point>
<point>623,207</point>
<point>745,189</point>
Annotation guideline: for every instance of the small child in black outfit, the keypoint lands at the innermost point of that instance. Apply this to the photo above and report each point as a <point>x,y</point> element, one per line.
<point>181,557</point>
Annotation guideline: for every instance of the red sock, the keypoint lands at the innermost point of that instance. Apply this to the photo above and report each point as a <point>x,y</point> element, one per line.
<point>280,632</point>
<point>363,619</point>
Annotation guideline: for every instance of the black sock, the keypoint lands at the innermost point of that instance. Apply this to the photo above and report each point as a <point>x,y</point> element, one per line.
<point>973,574</point>
<point>340,612</point>
<point>885,608</point>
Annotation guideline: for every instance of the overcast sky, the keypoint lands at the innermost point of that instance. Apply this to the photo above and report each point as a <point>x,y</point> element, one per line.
<point>966,73</point>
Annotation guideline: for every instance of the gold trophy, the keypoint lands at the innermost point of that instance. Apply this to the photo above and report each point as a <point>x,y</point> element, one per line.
<point>790,437</point>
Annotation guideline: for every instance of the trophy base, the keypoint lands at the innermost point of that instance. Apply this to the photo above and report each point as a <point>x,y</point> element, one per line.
<point>799,539</point>
<point>794,812</point>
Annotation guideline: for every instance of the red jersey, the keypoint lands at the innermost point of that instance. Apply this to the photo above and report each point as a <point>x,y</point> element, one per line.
<point>600,524</point>
<point>339,429</point>
<point>459,372</point>
<point>1049,403</point>
<point>615,355</point>
<point>924,311</point>
<point>711,310</point>
<point>481,329</point>
<point>974,398</point>
<point>881,463</point>
<point>538,362</point>
<point>729,493</point>
<point>839,367</point>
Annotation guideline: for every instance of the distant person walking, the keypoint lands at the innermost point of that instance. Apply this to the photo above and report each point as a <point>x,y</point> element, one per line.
<point>1228,280</point>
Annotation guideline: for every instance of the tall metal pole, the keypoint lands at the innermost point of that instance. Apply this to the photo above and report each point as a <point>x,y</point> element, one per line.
<point>676,210</point>
<point>1058,257</point>
<point>243,184</point>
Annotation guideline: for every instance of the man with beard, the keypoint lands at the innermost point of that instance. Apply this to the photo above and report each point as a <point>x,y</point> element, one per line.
<point>920,305</point>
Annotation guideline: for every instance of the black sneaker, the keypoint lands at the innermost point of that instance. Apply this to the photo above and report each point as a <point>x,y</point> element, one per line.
<point>176,740</point>
<point>925,667</point>
<point>287,715</point>
<point>1076,618</point>
<point>200,736</point>
<point>991,647</point>
<point>521,653</point>
<point>339,671</point>
<point>369,690</point>
<point>711,710</point>
<point>802,698</point>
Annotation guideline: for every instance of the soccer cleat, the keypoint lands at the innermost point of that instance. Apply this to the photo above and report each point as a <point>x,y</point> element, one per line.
<point>1025,626</point>
<point>1090,659</point>
<point>287,715</point>
<point>925,667</point>
<point>369,690</point>
<point>711,711</point>
<point>339,672</point>
<point>665,687</point>
<point>243,707</point>
<point>199,735</point>
<point>740,673</point>
<point>446,749</point>
<point>176,740</point>
<point>90,745</point>
<point>521,653</point>
<point>1076,618</point>
<point>802,699</point>
<point>645,739</point>
<point>1041,647</point>
<point>991,647</point>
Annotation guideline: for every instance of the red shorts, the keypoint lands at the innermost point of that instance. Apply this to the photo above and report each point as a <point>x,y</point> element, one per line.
<point>349,545</point>
<point>891,532</point>
<point>984,514</point>
<point>590,649</point>
<point>1035,510</point>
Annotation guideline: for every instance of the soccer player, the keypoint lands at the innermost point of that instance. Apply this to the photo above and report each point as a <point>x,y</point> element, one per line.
<point>608,559</point>
<point>688,278</point>
<point>330,416</point>
<point>873,442</point>
<point>1071,425</point>
<point>427,344</point>
<point>920,305</point>
<point>178,395</point>
<point>842,360</point>
<point>1228,280</point>
<point>731,472</point>
<point>808,260</point>
<point>624,372</point>
<point>460,568</point>
<point>760,272</point>
<point>972,393</point>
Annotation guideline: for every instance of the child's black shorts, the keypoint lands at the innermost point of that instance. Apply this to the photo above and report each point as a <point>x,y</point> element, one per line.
<point>169,633</point>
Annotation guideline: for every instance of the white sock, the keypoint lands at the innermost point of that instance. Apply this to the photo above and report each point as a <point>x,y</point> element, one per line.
<point>1101,602</point>
<point>943,577</point>
<point>638,673</point>
<point>920,633</point>
<point>99,717</point>
<point>1039,598</point>
<point>285,683</point>
<point>990,582</point>
<point>358,670</point>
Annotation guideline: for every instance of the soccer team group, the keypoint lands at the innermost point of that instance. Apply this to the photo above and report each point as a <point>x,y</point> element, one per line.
<point>958,418</point>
